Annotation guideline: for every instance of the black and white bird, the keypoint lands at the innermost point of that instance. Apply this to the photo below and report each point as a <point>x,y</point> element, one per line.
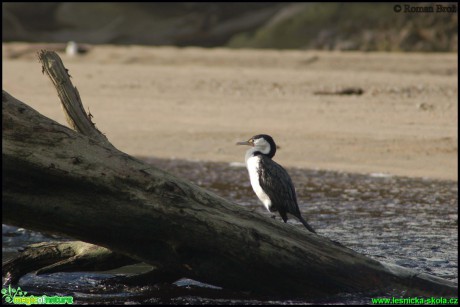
<point>270,181</point>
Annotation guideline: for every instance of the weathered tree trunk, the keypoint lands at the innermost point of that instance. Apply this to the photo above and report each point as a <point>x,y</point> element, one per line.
<point>51,257</point>
<point>58,181</point>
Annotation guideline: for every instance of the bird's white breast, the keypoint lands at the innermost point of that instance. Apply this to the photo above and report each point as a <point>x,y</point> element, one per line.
<point>252,163</point>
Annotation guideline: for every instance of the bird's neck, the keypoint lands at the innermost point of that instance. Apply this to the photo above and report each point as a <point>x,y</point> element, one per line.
<point>252,152</point>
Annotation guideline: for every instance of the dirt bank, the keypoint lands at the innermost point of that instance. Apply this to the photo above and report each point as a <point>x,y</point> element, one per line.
<point>194,103</point>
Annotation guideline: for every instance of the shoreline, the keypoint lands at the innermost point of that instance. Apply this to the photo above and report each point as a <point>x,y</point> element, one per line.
<point>242,165</point>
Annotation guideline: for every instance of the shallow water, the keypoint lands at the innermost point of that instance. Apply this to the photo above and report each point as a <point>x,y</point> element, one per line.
<point>410,222</point>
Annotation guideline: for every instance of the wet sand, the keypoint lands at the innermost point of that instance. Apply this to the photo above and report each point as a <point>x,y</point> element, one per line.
<point>193,103</point>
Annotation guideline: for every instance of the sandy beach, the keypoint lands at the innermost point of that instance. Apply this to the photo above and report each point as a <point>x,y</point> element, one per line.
<point>195,104</point>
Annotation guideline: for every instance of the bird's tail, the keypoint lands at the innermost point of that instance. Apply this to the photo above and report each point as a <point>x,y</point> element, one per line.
<point>306,224</point>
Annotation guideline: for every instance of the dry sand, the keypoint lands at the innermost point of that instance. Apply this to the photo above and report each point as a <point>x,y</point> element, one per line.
<point>195,103</point>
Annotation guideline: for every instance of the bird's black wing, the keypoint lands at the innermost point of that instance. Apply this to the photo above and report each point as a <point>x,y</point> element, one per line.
<point>277,183</point>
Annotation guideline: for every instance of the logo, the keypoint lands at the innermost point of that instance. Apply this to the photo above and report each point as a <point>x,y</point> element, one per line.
<point>17,296</point>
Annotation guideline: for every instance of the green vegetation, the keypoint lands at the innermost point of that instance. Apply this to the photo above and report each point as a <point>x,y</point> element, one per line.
<point>355,26</point>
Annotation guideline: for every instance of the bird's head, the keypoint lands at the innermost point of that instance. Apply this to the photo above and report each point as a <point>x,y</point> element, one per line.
<point>262,143</point>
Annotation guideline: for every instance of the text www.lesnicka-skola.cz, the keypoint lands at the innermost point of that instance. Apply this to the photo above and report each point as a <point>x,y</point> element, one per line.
<point>416,301</point>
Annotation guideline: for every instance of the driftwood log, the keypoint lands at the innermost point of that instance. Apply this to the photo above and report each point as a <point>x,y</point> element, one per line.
<point>51,257</point>
<point>77,184</point>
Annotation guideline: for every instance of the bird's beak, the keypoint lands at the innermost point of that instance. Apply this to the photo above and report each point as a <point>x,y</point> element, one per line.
<point>245,143</point>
